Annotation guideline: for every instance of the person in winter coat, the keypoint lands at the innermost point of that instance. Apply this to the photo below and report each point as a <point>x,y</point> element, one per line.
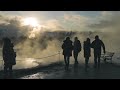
<point>76,49</point>
<point>67,51</point>
<point>87,51</point>
<point>96,45</point>
<point>8,55</point>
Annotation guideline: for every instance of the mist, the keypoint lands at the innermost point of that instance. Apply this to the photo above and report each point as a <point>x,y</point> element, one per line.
<point>41,42</point>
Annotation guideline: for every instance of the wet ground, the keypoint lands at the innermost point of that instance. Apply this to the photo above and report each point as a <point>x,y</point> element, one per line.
<point>107,71</point>
<point>57,71</point>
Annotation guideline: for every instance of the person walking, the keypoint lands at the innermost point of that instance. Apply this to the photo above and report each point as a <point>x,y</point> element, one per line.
<point>67,51</point>
<point>87,52</point>
<point>96,45</point>
<point>76,49</point>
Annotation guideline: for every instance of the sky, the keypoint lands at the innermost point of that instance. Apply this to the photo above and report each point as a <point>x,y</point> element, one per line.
<point>69,20</point>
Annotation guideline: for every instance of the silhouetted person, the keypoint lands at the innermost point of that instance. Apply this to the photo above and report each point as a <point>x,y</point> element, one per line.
<point>96,45</point>
<point>76,49</point>
<point>8,56</point>
<point>67,51</point>
<point>87,51</point>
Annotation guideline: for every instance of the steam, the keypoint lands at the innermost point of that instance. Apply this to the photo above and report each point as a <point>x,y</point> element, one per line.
<point>47,39</point>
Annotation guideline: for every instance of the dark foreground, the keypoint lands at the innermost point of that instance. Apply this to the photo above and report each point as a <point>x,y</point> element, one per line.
<point>56,71</point>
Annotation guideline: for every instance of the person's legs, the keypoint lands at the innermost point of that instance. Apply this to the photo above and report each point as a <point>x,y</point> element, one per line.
<point>10,69</point>
<point>99,61</point>
<point>10,72</point>
<point>5,71</point>
<point>5,68</point>
<point>68,57</point>
<point>95,60</point>
<point>86,62</point>
<point>75,57</point>
<point>65,61</point>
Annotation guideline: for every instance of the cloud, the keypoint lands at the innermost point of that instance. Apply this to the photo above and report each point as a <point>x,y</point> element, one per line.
<point>10,27</point>
<point>77,22</point>
<point>75,17</point>
<point>53,25</point>
<point>108,21</point>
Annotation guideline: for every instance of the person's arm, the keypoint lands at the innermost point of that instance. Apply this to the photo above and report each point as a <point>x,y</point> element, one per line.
<point>92,45</point>
<point>80,46</point>
<point>90,49</point>
<point>4,53</point>
<point>72,46</point>
<point>63,46</point>
<point>103,46</point>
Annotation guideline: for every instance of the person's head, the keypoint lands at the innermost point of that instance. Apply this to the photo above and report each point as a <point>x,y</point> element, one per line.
<point>67,38</point>
<point>76,38</point>
<point>96,37</point>
<point>88,39</point>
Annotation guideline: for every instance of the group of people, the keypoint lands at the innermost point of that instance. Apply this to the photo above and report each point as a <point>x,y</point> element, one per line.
<point>68,46</point>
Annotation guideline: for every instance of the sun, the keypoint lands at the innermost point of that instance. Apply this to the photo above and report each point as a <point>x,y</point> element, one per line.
<point>30,21</point>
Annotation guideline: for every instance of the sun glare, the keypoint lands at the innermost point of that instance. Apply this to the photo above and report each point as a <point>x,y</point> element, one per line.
<point>31,21</point>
